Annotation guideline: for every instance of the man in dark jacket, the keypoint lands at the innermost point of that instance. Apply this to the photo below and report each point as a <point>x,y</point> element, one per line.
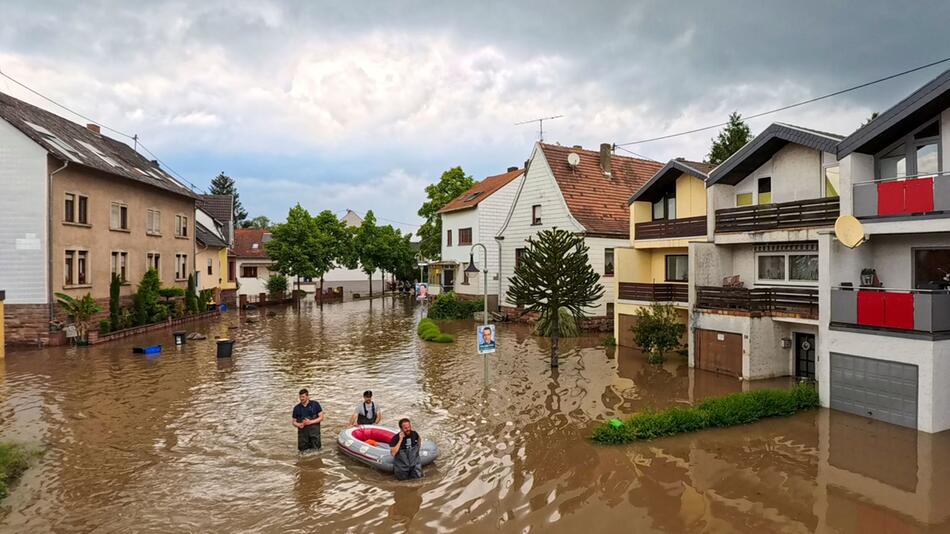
<point>405,447</point>
<point>307,417</point>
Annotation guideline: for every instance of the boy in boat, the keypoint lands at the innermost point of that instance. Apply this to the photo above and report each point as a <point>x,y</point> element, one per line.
<point>307,417</point>
<point>405,447</point>
<point>367,412</point>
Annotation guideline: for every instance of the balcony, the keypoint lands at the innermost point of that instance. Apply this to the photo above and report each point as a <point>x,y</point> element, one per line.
<point>915,195</point>
<point>910,311</point>
<point>670,229</point>
<point>654,292</point>
<point>760,301</point>
<point>797,214</point>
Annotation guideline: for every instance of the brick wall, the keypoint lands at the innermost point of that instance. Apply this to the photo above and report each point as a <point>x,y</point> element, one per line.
<point>588,324</point>
<point>24,324</point>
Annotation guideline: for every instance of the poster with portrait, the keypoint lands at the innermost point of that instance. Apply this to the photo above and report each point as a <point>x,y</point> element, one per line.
<point>485,338</point>
<point>422,291</point>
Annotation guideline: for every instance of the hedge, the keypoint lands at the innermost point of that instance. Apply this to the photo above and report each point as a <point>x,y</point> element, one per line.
<point>731,410</point>
<point>449,306</point>
<point>429,331</point>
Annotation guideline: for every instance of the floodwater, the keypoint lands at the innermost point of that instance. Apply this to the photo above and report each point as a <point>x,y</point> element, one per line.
<point>182,442</point>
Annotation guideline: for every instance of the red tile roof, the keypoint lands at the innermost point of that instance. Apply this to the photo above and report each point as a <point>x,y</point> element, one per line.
<point>244,240</point>
<point>597,201</point>
<point>481,191</point>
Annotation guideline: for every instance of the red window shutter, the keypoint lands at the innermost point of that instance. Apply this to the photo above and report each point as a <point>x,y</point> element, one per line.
<point>890,198</point>
<point>899,310</point>
<point>871,308</point>
<point>919,195</point>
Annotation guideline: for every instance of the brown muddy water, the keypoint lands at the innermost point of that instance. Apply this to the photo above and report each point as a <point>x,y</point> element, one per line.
<point>182,442</point>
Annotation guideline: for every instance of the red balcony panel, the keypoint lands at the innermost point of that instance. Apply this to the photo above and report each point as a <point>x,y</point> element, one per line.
<point>871,308</point>
<point>899,310</point>
<point>919,195</point>
<point>890,198</point>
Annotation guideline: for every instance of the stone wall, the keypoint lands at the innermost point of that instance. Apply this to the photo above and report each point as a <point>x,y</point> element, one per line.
<point>25,324</point>
<point>588,324</point>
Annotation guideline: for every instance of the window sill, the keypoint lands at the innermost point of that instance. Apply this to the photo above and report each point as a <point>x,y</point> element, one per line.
<point>77,286</point>
<point>536,224</point>
<point>153,234</point>
<point>181,279</point>
<point>77,224</point>
<point>608,275</point>
<point>465,244</point>
<point>181,237</point>
<point>676,281</point>
<point>123,230</point>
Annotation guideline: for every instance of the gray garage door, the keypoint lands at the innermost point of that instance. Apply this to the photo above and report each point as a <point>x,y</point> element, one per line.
<point>874,388</point>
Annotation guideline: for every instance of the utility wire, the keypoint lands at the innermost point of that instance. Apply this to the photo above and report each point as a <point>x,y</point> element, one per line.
<point>790,106</point>
<point>641,156</point>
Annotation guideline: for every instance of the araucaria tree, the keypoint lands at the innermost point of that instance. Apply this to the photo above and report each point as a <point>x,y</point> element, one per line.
<point>223,184</point>
<point>734,135</point>
<point>555,275</point>
<point>453,183</point>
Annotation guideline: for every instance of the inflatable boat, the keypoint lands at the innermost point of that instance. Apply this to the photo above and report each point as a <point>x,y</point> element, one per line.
<point>370,444</point>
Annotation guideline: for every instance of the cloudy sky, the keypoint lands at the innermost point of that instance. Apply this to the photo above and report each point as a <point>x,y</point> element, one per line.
<point>361,104</point>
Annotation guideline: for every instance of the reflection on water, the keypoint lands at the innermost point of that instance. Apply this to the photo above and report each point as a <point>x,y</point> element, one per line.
<point>183,441</point>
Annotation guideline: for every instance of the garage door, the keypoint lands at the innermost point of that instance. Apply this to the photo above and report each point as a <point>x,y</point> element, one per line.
<point>874,388</point>
<point>625,331</point>
<point>720,352</point>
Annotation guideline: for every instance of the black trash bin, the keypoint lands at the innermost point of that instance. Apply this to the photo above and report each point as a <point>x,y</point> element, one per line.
<point>181,337</point>
<point>225,346</point>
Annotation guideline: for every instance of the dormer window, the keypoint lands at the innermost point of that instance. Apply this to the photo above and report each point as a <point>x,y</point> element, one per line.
<point>255,246</point>
<point>473,196</point>
<point>917,154</point>
<point>665,206</point>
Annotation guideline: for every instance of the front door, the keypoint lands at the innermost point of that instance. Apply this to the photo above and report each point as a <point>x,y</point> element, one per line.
<point>449,279</point>
<point>805,355</point>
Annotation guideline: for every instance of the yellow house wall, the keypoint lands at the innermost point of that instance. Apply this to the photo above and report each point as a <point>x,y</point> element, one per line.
<point>218,271</point>
<point>658,263</point>
<point>639,212</point>
<point>631,265</point>
<point>690,197</point>
<point>223,259</point>
<point>1,329</point>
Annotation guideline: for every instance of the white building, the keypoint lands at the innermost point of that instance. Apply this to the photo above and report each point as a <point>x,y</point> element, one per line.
<point>473,217</point>
<point>252,266</point>
<point>583,191</point>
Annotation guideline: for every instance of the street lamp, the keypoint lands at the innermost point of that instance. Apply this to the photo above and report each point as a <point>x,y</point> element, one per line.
<point>472,269</point>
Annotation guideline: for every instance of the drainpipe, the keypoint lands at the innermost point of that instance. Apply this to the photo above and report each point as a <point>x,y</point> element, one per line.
<point>498,239</point>
<point>49,239</point>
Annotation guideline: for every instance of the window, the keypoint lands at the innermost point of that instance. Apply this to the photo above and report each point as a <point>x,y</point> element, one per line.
<point>181,266</point>
<point>832,179</point>
<point>765,190</point>
<point>930,268</point>
<point>76,268</point>
<point>119,219</point>
<point>76,209</point>
<point>153,222</point>
<point>181,226</point>
<point>210,268</point>
<point>608,262</point>
<point>671,207</point>
<point>610,309</point>
<point>658,212</point>
<point>248,272</point>
<point>536,214</point>
<point>465,236</point>
<point>70,214</point>
<point>677,268</point>
<point>917,154</point>
<point>792,268</point>
<point>665,207</point>
<point>153,260</point>
<point>448,238</point>
<point>744,199</point>
<point>232,270</point>
<point>518,253</point>
<point>473,196</point>
<point>120,261</point>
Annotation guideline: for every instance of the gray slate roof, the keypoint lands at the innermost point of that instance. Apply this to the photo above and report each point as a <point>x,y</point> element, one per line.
<point>668,175</point>
<point>221,207</point>
<point>757,151</point>
<point>69,141</point>
<point>207,238</point>
<point>922,105</point>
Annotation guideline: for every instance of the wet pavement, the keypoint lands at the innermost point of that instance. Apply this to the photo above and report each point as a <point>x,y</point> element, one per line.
<point>184,442</point>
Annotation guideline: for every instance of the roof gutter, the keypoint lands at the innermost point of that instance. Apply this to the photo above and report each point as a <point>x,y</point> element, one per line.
<point>49,240</point>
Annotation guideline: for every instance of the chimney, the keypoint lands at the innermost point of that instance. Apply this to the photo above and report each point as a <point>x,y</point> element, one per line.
<point>155,163</point>
<point>94,128</point>
<point>579,147</point>
<point>512,169</point>
<point>606,150</point>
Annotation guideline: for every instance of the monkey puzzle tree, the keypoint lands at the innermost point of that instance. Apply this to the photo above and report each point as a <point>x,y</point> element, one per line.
<point>554,274</point>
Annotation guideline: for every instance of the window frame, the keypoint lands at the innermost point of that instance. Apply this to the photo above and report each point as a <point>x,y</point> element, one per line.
<point>536,215</point>
<point>910,145</point>
<point>759,192</point>
<point>664,203</point>
<point>519,252</point>
<point>787,281</point>
<point>210,267</point>
<point>462,233</point>
<point>181,261</point>
<point>613,262</point>
<point>153,260</point>
<point>79,211</point>
<point>666,268</point>
<point>123,265</point>
<point>244,270</point>
<point>123,216</point>
<point>71,277</point>
<point>448,237</point>
<point>181,226</point>
<point>152,215</point>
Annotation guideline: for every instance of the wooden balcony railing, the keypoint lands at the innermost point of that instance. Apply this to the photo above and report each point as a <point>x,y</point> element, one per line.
<point>654,292</point>
<point>801,301</point>
<point>797,214</point>
<point>668,229</point>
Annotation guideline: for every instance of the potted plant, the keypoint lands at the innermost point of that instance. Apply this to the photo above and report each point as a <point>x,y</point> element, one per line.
<point>81,311</point>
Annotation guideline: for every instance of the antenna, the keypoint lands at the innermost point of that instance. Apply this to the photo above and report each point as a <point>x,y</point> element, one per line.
<point>540,122</point>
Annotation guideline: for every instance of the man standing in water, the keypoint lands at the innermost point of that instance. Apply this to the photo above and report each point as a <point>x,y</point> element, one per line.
<point>307,417</point>
<point>367,412</point>
<point>405,447</point>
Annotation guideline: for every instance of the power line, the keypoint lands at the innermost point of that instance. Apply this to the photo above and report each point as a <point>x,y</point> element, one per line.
<point>641,156</point>
<point>790,106</point>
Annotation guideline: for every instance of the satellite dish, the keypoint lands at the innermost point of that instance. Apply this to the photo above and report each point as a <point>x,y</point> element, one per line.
<point>573,159</point>
<point>849,231</point>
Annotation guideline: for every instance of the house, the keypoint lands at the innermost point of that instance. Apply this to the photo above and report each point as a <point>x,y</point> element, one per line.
<point>473,217</point>
<point>665,215</point>
<point>353,281</point>
<point>753,287</point>
<point>251,263</point>
<point>211,254</point>
<point>78,206</point>
<point>583,191</point>
<point>885,324</point>
<point>221,209</point>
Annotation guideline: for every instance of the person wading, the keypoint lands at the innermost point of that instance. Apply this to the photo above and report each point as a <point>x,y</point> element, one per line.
<point>405,450</point>
<point>367,412</point>
<point>307,417</point>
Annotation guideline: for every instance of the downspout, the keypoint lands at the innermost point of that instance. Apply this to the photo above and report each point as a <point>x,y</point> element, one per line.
<point>498,239</point>
<point>49,240</point>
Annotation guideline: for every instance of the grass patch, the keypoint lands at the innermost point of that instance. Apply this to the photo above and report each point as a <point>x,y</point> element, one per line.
<point>429,331</point>
<point>14,460</point>
<point>731,410</point>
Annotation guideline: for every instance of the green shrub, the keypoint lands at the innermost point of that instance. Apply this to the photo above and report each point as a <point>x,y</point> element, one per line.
<point>277,284</point>
<point>169,293</point>
<point>191,295</point>
<point>145,301</point>
<point>658,330</point>
<point>443,338</point>
<point>449,306</point>
<point>731,410</point>
<point>609,341</point>
<point>204,299</point>
<point>114,301</point>
<point>429,331</point>
<point>105,326</point>
<point>14,460</point>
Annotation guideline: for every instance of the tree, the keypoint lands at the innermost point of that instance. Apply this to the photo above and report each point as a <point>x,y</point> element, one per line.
<point>295,245</point>
<point>277,284</point>
<point>260,221</point>
<point>555,273</point>
<point>191,295</point>
<point>223,184</point>
<point>453,183</point>
<point>867,121</point>
<point>146,307</point>
<point>335,247</point>
<point>658,330</point>
<point>368,247</point>
<point>731,138</point>
<point>115,309</point>
<point>81,310</point>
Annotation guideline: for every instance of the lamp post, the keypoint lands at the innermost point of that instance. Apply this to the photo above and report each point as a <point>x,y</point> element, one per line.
<point>472,269</point>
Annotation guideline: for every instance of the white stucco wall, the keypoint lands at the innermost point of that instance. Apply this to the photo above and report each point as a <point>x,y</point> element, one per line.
<point>253,286</point>
<point>796,175</point>
<point>23,203</point>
